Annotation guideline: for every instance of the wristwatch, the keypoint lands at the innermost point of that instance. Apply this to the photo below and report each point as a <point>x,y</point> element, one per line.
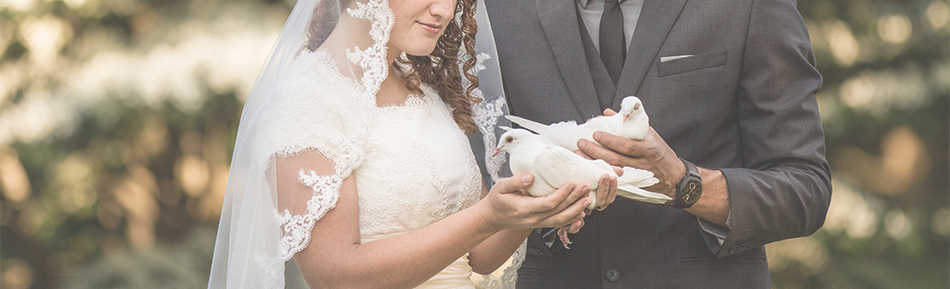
<point>689,189</point>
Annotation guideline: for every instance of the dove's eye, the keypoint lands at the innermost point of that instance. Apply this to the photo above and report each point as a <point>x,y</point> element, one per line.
<point>509,139</point>
<point>636,106</point>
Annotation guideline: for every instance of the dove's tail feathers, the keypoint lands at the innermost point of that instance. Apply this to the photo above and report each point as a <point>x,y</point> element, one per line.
<point>527,124</point>
<point>641,195</point>
<point>637,177</point>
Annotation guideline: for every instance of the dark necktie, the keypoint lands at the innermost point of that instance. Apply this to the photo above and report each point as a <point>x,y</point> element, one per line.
<point>613,49</point>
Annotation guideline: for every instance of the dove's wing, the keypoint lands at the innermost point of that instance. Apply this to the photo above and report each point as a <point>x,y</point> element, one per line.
<point>566,133</point>
<point>629,186</point>
<point>636,177</point>
<point>527,124</point>
<point>521,161</point>
<point>558,165</point>
<point>540,187</point>
<point>609,124</point>
<point>638,194</point>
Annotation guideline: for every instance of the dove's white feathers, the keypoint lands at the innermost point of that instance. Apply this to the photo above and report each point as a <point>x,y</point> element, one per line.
<point>631,122</point>
<point>554,166</point>
<point>630,183</point>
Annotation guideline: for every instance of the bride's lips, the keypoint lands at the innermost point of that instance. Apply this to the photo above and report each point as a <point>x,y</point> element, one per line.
<point>430,27</point>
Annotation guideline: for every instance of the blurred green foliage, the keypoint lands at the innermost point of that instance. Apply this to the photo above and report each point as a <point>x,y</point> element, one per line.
<point>117,120</point>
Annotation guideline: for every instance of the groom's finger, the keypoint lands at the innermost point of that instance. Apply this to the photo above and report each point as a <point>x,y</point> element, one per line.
<point>597,152</point>
<point>582,154</point>
<point>617,151</point>
<point>613,193</point>
<point>630,147</point>
<point>618,143</point>
<point>603,190</point>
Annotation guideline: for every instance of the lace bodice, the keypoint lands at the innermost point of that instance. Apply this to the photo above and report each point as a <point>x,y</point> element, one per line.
<point>418,168</point>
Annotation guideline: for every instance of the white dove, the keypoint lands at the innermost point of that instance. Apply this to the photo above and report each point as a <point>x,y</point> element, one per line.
<point>553,166</point>
<point>631,122</point>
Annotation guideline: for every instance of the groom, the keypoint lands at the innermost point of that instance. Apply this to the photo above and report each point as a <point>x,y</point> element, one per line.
<point>730,89</point>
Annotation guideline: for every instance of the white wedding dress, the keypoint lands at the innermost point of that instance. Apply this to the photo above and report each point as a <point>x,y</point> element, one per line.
<point>311,122</point>
<point>411,163</point>
<point>418,169</point>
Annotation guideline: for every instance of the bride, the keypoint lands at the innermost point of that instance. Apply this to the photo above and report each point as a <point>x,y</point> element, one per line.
<point>352,163</point>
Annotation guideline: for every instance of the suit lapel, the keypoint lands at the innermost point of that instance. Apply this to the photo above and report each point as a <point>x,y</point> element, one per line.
<point>559,19</point>
<point>656,20</point>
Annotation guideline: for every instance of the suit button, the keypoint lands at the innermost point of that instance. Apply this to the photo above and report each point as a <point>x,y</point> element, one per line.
<point>612,274</point>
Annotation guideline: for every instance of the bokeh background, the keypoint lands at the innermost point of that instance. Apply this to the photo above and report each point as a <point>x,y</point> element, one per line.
<point>117,119</point>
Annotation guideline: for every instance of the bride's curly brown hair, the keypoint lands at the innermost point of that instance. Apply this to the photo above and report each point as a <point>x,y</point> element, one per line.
<point>439,69</point>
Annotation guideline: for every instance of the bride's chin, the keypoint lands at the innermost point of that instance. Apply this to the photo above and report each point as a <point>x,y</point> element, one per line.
<point>421,50</point>
<point>420,53</point>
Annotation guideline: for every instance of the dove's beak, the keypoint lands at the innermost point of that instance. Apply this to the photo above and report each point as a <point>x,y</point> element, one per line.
<point>625,116</point>
<point>497,151</point>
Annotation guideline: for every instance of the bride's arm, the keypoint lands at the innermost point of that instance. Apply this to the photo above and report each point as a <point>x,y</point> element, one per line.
<point>491,254</point>
<point>336,259</point>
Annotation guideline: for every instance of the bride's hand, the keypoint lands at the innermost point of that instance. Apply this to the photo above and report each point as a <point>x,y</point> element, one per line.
<point>506,207</point>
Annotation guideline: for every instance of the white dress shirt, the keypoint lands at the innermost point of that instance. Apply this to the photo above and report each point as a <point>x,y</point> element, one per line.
<point>592,10</point>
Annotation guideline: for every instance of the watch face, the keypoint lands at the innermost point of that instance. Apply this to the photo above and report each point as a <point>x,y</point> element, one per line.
<point>692,191</point>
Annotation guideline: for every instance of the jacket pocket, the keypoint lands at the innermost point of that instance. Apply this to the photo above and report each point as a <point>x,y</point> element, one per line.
<point>735,259</point>
<point>681,64</point>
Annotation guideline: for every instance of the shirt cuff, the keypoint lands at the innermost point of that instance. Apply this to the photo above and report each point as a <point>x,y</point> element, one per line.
<point>714,235</point>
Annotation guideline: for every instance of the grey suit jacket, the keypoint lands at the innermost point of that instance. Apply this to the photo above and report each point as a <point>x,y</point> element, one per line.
<point>744,103</point>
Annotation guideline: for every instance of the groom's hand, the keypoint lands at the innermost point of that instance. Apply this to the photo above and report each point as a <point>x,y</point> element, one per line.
<point>652,154</point>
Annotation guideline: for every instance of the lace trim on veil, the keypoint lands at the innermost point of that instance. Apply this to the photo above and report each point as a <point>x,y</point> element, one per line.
<point>486,115</point>
<point>373,58</point>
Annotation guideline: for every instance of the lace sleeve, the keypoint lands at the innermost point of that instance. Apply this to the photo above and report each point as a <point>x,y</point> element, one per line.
<point>302,134</point>
<point>297,227</point>
<point>315,140</point>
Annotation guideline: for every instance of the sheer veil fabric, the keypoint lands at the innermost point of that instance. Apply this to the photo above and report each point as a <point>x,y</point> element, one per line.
<point>315,100</point>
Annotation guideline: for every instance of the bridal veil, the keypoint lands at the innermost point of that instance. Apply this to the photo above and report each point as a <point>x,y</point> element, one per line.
<point>261,227</point>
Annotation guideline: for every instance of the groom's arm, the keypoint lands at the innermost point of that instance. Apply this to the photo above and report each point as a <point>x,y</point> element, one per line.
<point>783,188</point>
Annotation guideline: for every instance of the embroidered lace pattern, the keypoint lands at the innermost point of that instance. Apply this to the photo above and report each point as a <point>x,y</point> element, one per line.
<point>297,227</point>
<point>373,59</point>
<point>418,170</point>
<point>486,114</point>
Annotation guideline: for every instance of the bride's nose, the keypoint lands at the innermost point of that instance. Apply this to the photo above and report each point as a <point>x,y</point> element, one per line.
<point>444,9</point>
